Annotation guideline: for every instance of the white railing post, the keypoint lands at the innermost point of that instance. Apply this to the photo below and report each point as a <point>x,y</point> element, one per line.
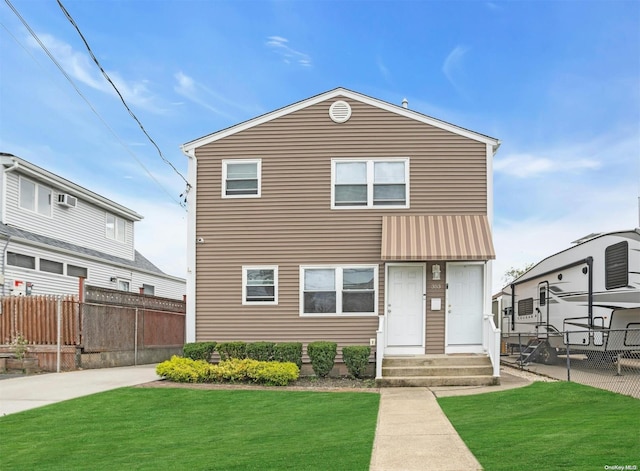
<point>379,346</point>
<point>491,342</point>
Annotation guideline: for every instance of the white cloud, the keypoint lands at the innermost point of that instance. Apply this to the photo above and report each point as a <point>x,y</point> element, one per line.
<point>384,71</point>
<point>280,46</point>
<point>527,165</point>
<point>79,66</point>
<point>453,65</point>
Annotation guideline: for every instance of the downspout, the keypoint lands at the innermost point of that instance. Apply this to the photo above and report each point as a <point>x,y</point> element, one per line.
<point>14,166</point>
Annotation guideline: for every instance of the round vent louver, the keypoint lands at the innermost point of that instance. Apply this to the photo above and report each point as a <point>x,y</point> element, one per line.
<point>340,111</point>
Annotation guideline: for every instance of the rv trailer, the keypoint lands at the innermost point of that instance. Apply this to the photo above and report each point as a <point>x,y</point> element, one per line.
<point>584,298</point>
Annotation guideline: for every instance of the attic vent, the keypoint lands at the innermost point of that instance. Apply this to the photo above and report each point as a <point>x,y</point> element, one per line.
<point>67,200</point>
<point>340,111</point>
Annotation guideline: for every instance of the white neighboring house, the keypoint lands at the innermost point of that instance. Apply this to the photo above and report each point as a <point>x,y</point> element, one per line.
<point>53,232</point>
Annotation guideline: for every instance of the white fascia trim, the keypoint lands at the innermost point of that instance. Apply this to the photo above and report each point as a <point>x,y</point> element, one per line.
<point>339,92</point>
<point>65,185</point>
<point>192,173</point>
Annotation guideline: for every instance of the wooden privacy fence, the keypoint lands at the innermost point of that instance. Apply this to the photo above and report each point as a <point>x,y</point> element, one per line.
<point>110,328</point>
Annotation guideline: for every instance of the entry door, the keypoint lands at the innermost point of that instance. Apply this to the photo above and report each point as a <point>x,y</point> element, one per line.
<point>464,304</point>
<point>405,309</point>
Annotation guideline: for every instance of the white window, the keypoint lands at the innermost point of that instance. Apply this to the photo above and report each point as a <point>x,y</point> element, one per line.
<point>35,197</point>
<point>124,285</point>
<point>115,228</point>
<point>149,290</point>
<point>20,260</point>
<point>51,266</point>
<point>370,183</point>
<point>241,178</point>
<point>345,290</point>
<point>260,285</point>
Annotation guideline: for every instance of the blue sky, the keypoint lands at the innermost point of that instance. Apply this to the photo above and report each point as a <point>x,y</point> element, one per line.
<point>557,82</point>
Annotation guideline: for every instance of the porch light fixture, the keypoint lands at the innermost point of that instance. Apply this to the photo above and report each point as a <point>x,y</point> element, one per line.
<point>112,279</point>
<point>435,271</point>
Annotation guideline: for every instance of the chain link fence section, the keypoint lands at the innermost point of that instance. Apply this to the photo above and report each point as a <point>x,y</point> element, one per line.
<point>614,364</point>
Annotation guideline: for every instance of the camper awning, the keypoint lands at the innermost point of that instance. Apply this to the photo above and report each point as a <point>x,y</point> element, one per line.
<point>449,237</point>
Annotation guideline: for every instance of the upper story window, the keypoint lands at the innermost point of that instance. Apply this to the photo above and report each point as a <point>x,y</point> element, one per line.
<point>51,266</point>
<point>149,290</point>
<point>260,285</point>
<point>241,178</point>
<point>73,270</point>
<point>20,260</point>
<point>115,228</point>
<point>35,197</point>
<point>370,183</point>
<point>339,290</point>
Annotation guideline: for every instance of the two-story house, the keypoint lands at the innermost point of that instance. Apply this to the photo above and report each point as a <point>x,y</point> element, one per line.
<point>343,218</point>
<point>54,232</point>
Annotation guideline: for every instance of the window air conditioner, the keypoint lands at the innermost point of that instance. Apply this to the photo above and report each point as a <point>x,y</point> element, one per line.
<point>67,200</point>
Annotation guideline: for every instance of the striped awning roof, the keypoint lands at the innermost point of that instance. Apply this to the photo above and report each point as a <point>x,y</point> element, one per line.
<point>449,237</point>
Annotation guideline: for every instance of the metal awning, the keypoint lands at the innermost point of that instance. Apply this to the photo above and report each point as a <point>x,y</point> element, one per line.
<point>448,237</point>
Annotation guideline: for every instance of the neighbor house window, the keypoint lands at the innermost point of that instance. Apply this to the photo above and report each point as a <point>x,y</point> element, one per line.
<point>35,197</point>
<point>370,183</point>
<point>616,265</point>
<point>51,267</point>
<point>115,227</point>
<point>22,261</point>
<point>260,285</point>
<point>80,272</point>
<point>124,285</point>
<point>338,290</point>
<point>149,290</point>
<point>241,178</point>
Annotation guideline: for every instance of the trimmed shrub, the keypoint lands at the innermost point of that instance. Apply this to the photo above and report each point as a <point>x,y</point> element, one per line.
<point>288,352</point>
<point>322,355</point>
<point>356,358</point>
<point>186,370</point>
<point>228,350</point>
<point>199,350</point>
<point>262,351</point>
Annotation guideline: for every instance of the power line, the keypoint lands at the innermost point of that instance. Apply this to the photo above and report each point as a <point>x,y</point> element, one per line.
<point>70,80</point>
<point>106,76</point>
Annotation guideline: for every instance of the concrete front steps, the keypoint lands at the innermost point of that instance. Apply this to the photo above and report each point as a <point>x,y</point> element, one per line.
<point>437,370</point>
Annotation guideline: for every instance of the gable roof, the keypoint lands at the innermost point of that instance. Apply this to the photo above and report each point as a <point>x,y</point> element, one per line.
<point>10,161</point>
<point>139,262</point>
<point>340,92</point>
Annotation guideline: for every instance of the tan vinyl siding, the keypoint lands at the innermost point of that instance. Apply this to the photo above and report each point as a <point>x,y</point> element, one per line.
<point>292,223</point>
<point>435,322</point>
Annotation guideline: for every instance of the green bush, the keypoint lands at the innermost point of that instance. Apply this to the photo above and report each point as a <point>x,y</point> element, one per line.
<point>199,350</point>
<point>322,355</point>
<point>356,358</point>
<point>288,352</point>
<point>262,351</point>
<point>186,370</point>
<point>228,350</point>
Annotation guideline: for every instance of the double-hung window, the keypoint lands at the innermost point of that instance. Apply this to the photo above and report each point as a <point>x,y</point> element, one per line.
<point>369,183</point>
<point>35,197</point>
<point>115,228</point>
<point>260,285</point>
<point>241,178</point>
<point>344,290</point>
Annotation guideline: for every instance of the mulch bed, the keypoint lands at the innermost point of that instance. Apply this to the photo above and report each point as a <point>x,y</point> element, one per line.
<point>342,384</point>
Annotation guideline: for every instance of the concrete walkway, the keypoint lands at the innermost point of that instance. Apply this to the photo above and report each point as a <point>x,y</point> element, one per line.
<point>29,392</point>
<point>412,432</point>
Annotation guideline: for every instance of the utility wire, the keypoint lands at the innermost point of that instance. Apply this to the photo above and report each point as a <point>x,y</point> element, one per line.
<point>70,80</point>
<point>106,76</point>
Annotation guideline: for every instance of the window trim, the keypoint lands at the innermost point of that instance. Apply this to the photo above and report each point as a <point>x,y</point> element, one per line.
<point>370,182</point>
<point>115,228</point>
<point>37,188</point>
<point>225,162</point>
<point>339,289</point>
<point>246,302</point>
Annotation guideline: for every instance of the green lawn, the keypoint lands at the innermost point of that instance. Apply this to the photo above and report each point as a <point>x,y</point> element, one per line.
<point>549,426</point>
<point>176,429</point>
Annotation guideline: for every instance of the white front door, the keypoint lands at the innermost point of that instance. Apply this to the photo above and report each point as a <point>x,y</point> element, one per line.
<point>405,309</point>
<point>465,296</point>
